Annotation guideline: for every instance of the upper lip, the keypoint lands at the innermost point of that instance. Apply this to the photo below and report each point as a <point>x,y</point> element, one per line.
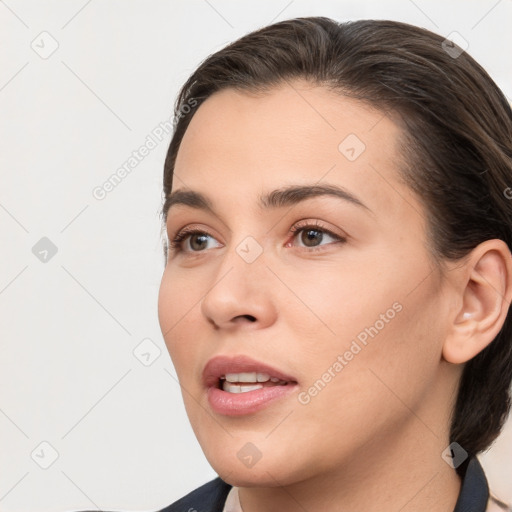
<point>218,366</point>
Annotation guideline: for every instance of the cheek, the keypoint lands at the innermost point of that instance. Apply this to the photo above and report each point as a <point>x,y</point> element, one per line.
<point>177,301</point>
<point>335,302</point>
<point>377,331</point>
<point>365,400</point>
<point>369,289</point>
<point>180,292</point>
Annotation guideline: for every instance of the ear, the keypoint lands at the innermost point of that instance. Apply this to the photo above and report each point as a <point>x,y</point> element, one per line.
<point>485,287</point>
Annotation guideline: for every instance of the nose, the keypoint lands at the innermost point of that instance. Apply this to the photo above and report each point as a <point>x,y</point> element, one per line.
<point>240,294</point>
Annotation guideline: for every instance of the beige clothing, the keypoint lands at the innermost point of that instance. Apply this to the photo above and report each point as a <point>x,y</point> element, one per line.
<point>233,502</point>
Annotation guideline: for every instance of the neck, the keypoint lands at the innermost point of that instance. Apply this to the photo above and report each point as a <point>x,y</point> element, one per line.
<point>407,475</point>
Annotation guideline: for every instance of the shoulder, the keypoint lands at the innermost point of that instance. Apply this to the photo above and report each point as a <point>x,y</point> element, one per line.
<point>210,497</point>
<point>496,505</point>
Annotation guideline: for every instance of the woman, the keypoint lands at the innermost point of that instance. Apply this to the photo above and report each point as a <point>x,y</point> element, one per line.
<point>338,277</point>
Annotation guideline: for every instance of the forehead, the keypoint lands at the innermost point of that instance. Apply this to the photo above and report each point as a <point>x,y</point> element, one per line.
<point>243,143</point>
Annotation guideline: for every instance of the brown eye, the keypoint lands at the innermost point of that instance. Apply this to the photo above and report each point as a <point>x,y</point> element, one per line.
<point>198,241</point>
<point>311,237</point>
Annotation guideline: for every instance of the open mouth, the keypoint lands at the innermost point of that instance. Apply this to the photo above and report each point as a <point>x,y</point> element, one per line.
<point>239,385</point>
<point>248,381</point>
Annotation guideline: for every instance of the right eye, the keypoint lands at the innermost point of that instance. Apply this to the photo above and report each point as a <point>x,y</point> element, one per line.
<point>197,240</point>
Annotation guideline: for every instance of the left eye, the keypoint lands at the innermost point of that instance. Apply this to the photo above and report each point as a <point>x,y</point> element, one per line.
<point>313,236</point>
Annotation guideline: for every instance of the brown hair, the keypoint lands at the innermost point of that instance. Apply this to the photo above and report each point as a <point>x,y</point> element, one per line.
<point>457,149</point>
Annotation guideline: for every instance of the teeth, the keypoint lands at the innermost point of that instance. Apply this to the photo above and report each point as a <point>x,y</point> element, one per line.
<point>237,388</point>
<point>249,377</point>
<point>247,381</point>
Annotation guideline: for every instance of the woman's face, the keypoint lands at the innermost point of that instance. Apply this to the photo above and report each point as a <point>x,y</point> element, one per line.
<point>348,307</point>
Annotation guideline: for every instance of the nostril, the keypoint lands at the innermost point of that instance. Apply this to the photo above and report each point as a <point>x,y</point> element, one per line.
<point>250,317</point>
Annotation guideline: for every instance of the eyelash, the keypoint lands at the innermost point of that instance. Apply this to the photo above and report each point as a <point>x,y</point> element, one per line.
<point>175,244</point>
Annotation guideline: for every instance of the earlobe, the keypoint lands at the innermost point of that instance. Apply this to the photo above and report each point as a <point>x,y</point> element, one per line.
<point>485,286</point>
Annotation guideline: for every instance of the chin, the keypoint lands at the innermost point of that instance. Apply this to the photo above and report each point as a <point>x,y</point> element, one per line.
<point>248,480</point>
<point>237,468</point>
<point>253,477</point>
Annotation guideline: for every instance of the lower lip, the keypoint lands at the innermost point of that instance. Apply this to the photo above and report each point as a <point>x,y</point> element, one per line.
<point>238,404</point>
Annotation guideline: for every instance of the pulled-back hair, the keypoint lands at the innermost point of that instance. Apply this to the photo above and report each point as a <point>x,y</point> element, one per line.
<point>456,148</point>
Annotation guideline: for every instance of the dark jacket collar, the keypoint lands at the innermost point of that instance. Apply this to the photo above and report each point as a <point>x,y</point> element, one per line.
<point>474,492</point>
<point>210,497</point>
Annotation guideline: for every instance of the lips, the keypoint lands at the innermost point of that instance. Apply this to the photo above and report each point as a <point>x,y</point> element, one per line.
<point>220,367</point>
<point>239,386</point>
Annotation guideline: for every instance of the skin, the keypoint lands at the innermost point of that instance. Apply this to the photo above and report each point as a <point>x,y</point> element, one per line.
<point>372,438</point>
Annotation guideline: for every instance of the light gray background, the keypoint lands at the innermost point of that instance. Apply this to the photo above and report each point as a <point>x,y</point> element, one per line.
<point>70,325</point>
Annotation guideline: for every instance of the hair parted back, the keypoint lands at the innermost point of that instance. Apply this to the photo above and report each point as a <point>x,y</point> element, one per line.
<point>456,148</point>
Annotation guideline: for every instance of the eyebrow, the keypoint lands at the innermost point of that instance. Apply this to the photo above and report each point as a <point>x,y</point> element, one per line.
<point>279,198</point>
